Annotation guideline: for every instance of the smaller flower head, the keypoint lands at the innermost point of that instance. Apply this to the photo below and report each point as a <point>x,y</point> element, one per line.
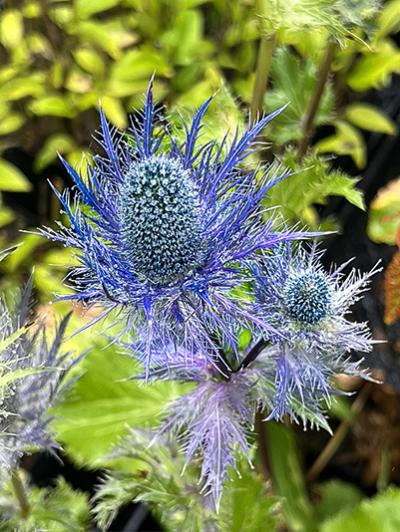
<point>307,297</point>
<point>33,370</point>
<point>311,336</point>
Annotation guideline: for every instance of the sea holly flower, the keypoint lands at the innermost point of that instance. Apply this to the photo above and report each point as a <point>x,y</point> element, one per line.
<point>310,337</point>
<point>32,370</point>
<point>164,226</point>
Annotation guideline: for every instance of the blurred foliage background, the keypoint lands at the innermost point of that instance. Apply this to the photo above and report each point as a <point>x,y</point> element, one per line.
<point>59,59</point>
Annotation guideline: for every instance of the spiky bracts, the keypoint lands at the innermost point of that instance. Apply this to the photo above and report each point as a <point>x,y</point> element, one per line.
<point>164,225</point>
<point>32,370</point>
<point>311,338</point>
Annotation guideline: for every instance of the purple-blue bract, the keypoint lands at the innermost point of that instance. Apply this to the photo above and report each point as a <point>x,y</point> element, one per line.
<point>164,227</point>
<point>310,338</point>
<point>24,418</point>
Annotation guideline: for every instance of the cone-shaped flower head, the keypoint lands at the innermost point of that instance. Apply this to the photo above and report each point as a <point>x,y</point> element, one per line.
<point>32,370</point>
<point>311,335</point>
<point>164,225</point>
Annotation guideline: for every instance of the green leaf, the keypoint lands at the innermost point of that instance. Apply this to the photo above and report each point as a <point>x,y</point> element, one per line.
<point>153,474</point>
<point>389,19</point>
<point>52,106</point>
<point>12,179</point>
<point>85,9</point>
<point>248,491</point>
<point>366,116</point>
<point>58,143</point>
<point>22,86</point>
<point>31,9</point>
<point>11,28</point>
<point>89,60</point>
<point>78,81</point>
<point>97,33</point>
<point>384,214</point>
<point>26,246</point>
<point>379,514</point>
<point>55,509</point>
<point>8,340</point>
<point>374,69</point>
<point>346,141</point>
<point>140,64</point>
<point>101,406</point>
<point>311,182</point>
<point>293,83</point>
<point>336,497</point>
<point>11,123</point>
<point>184,39</point>
<point>340,407</point>
<point>288,478</point>
<point>6,216</point>
<point>114,111</point>
<point>6,252</point>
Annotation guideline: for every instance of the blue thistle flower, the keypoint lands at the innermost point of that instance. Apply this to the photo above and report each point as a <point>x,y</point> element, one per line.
<point>163,228</point>
<point>33,370</point>
<point>310,334</point>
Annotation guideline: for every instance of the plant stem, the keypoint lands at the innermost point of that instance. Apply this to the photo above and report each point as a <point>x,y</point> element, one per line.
<point>264,59</point>
<point>341,432</point>
<point>262,445</point>
<point>322,78</point>
<point>20,494</point>
<point>252,354</point>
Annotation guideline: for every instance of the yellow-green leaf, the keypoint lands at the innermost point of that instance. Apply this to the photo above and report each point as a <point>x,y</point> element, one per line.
<point>140,64</point>
<point>103,404</point>
<point>6,216</point>
<point>373,69</point>
<point>22,86</point>
<point>114,111</point>
<point>346,141</point>
<point>89,60</point>
<point>366,116</point>
<point>384,214</point>
<point>12,179</point>
<point>87,8</point>
<point>389,19</point>
<point>52,105</point>
<point>11,123</point>
<point>11,28</point>
<point>59,143</point>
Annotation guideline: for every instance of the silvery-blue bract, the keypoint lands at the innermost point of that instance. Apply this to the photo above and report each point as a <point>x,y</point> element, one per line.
<point>310,337</point>
<point>36,369</point>
<point>212,421</point>
<point>164,226</point>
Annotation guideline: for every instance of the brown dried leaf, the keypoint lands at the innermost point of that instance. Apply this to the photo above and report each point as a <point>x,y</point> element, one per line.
<point>392,289</point>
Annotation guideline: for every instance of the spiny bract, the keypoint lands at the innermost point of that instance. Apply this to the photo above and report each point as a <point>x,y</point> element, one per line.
<point>39,369</point>
<point>310,338</point>
<point>164,226</point>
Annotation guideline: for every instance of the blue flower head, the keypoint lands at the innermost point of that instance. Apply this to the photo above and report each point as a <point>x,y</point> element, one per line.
<point>164,226</point>
<point>310,336</point>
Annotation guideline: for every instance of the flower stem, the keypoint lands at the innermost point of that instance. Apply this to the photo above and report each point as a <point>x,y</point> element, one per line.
<point>264,59</point>
<point>322,78</point>
<point>341,432</point>
<point>262,445</point>
<point>20,494</point>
